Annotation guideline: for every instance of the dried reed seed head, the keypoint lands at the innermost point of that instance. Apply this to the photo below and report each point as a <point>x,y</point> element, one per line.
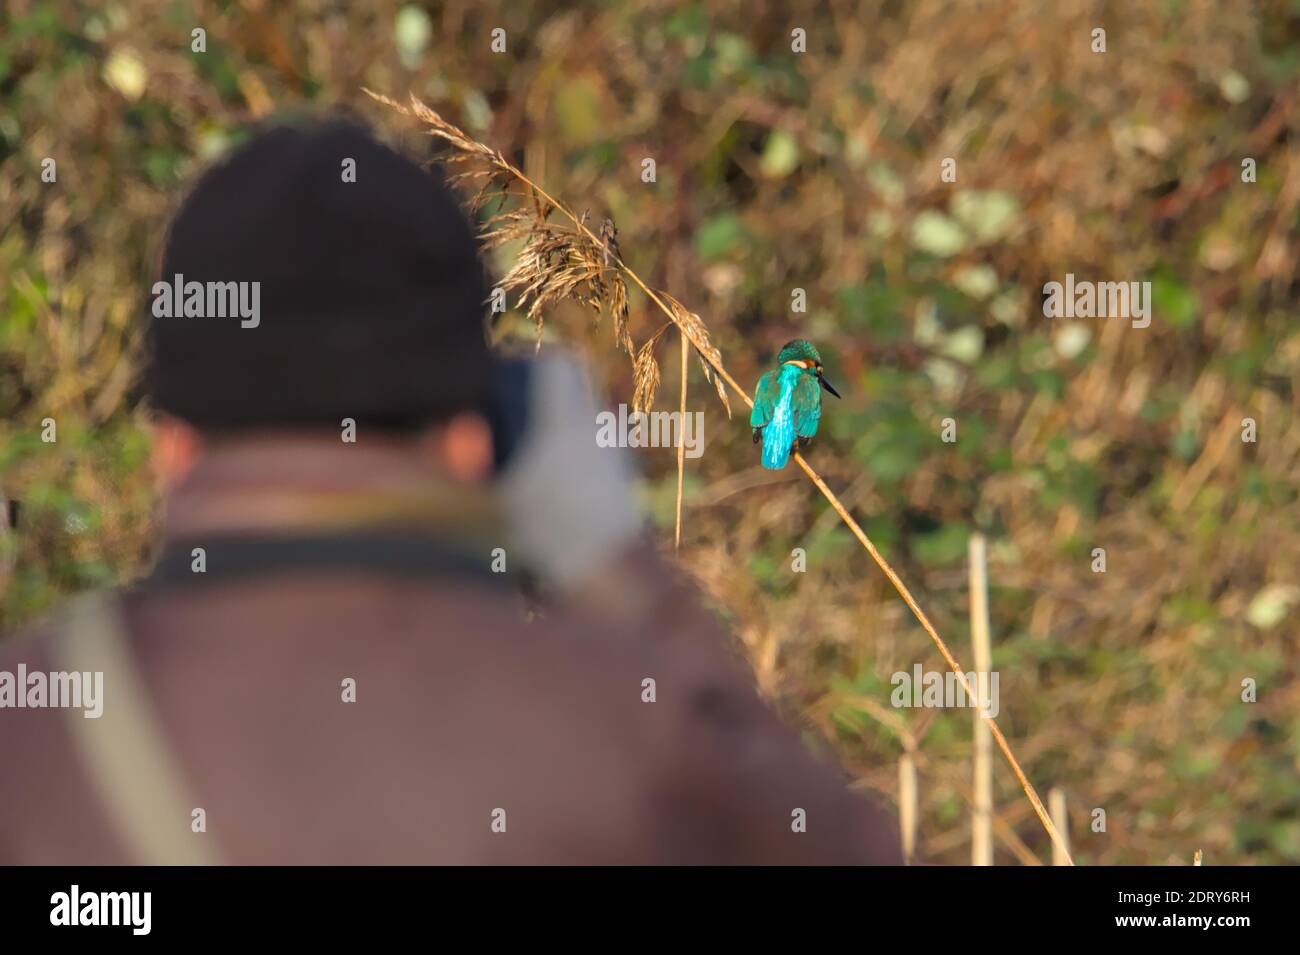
<point>697,333</point>
<point>645,375</point>
<point>561,261</point>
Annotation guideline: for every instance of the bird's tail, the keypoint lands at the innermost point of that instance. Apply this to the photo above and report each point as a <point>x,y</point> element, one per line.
<point>776,448</point>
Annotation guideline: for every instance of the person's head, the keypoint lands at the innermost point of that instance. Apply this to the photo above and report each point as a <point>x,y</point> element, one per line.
<point>316,280</point>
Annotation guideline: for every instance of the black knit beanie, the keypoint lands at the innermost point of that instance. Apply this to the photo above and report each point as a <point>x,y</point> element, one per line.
<point>370,294</point>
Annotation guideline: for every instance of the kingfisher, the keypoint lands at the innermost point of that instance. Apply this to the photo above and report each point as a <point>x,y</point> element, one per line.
<point>788,402</point>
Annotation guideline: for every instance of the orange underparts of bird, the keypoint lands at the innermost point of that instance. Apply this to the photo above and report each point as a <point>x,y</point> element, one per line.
<point>788,403</point>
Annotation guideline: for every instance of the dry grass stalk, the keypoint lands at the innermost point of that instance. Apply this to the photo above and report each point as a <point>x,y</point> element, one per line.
<point>568,255</point>
<point>982,812</point>
<point>681,445</point>
<point>907,805</point>
<point>1056,801</point>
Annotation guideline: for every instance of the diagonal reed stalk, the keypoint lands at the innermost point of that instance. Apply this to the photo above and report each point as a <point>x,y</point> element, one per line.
<point>567,259</point>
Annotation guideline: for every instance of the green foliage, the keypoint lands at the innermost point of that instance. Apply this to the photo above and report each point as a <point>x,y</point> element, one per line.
<point>819,171</point>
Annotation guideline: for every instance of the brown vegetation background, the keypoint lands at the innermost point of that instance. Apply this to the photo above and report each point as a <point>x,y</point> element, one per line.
<point>820,171</point>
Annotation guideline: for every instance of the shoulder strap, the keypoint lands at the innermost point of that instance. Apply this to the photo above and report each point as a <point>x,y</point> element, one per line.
<point>132,768</point>
<point>388,552</point>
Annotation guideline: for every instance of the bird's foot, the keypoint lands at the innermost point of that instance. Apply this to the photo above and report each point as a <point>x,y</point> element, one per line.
<point>758,435</point>
<point>804,442</point>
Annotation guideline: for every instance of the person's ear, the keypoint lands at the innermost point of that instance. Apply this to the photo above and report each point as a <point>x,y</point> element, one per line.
<point>462,447</point>
<point>176,448</point>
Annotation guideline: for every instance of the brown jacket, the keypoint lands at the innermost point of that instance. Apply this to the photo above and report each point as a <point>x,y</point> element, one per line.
<point>468,719</point>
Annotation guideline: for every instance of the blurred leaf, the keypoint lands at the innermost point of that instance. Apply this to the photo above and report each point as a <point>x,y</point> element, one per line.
<point>697,71</point>
<point>935,233</point>
<point>719,235</point>
<point>964,344</point>
<point>1071,339</point>
<point>125,72</point>
<point>734,54</point>
<point>780,155</point>
<point>873,306</point>
<point>987,215</point>
<point>886,182</point>
<point>892,451</point>
<point>1184,444</point>
<point>1234,87</point>
<point>1270,606</point>
<point>688,20</point>
<point>412,29</point>
<point>1172,300</point>
<point>578,109</point>
<point>977,281</point>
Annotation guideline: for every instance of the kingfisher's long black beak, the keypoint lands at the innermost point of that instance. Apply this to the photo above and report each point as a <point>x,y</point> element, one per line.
<point>827,385</point>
